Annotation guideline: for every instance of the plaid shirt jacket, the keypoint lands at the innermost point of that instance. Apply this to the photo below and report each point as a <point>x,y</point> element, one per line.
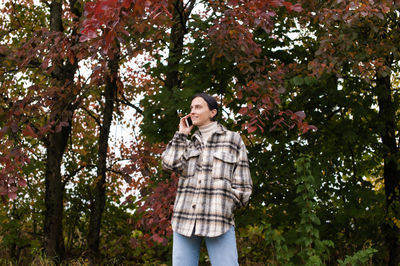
<point>214,180</point>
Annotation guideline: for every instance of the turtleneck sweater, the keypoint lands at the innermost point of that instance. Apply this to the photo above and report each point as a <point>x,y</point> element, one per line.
<point>207,130</point>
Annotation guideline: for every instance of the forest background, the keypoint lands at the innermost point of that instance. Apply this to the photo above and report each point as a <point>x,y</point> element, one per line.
<point>313,87</point>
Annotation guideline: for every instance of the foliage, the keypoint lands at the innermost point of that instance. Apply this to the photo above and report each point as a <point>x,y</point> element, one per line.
<point>300,243</point>
<point>359,258</point>
<point>310,77</point>
<point>313,250</point>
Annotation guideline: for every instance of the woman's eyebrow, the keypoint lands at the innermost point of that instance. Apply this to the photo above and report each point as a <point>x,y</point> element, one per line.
<point>196,105</point>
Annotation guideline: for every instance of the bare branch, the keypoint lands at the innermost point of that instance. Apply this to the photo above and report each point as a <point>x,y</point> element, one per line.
<point>68,177</point>
<point>92,115</point>
<point>189,9</point>
<point>128,103</point>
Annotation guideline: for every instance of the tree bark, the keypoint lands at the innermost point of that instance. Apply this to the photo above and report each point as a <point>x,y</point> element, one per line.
<point>175,46</point>
<point>99,201</point>
<point>53,229</point>
<point>56,142</point>
<point>173,79</point>
<point>391,174</point>
<point>180,16</point>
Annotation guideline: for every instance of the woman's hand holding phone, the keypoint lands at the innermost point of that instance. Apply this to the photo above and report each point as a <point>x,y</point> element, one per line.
<point>185,125</point>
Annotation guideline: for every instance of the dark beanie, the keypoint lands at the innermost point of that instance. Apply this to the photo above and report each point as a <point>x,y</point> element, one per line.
<point>211,102</point>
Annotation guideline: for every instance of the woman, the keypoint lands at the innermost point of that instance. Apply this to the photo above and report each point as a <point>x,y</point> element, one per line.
<point>214,180</point>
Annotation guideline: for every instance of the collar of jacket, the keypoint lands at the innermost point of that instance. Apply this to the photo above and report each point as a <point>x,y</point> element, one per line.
<point>220,130</point>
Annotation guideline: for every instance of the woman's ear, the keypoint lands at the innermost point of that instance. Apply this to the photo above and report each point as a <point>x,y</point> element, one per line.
<point>214,113</point>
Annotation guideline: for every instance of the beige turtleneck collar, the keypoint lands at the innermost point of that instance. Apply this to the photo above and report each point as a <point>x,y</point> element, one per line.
<point>208,130</point>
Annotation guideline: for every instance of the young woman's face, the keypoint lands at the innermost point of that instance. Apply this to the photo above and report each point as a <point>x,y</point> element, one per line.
<point>200,113</point>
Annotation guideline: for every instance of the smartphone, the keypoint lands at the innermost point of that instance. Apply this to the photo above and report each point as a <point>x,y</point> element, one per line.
<point>188,121</point>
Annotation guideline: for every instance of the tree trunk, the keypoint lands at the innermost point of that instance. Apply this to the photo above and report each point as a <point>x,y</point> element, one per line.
<point>53,229</point>
<point>56,142</point>
<point>175,46</point>
<point>178,31</point>
<point>391,174</point>
<point>99,201</point>
<point>173,79</point>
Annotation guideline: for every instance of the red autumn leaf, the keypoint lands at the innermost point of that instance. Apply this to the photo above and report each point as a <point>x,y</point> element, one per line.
<point>306,128</point>
<point>243,111</point>
<point>71,57</point>
<point>300,114</point>
<point>297,8</point>
<point>156,238</point>
<point>276,3</point>
<point>266,99</point>
<point>22,182</point>
<point>12,195</point>
<point>253,121</point>
<point>3,190</point>
<point>28,132</point>
<point>251,129</point>
<point>312,127</point>
<point>87,34</point>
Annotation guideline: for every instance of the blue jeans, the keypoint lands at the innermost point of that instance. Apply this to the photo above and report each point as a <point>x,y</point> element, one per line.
<point>221,250</point>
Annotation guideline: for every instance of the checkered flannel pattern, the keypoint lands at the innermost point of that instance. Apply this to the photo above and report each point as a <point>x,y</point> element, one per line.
<point>214,180</point>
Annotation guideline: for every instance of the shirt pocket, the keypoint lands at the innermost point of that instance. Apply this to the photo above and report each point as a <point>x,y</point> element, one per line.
<point>190,158</point>
<point>223,165</point>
